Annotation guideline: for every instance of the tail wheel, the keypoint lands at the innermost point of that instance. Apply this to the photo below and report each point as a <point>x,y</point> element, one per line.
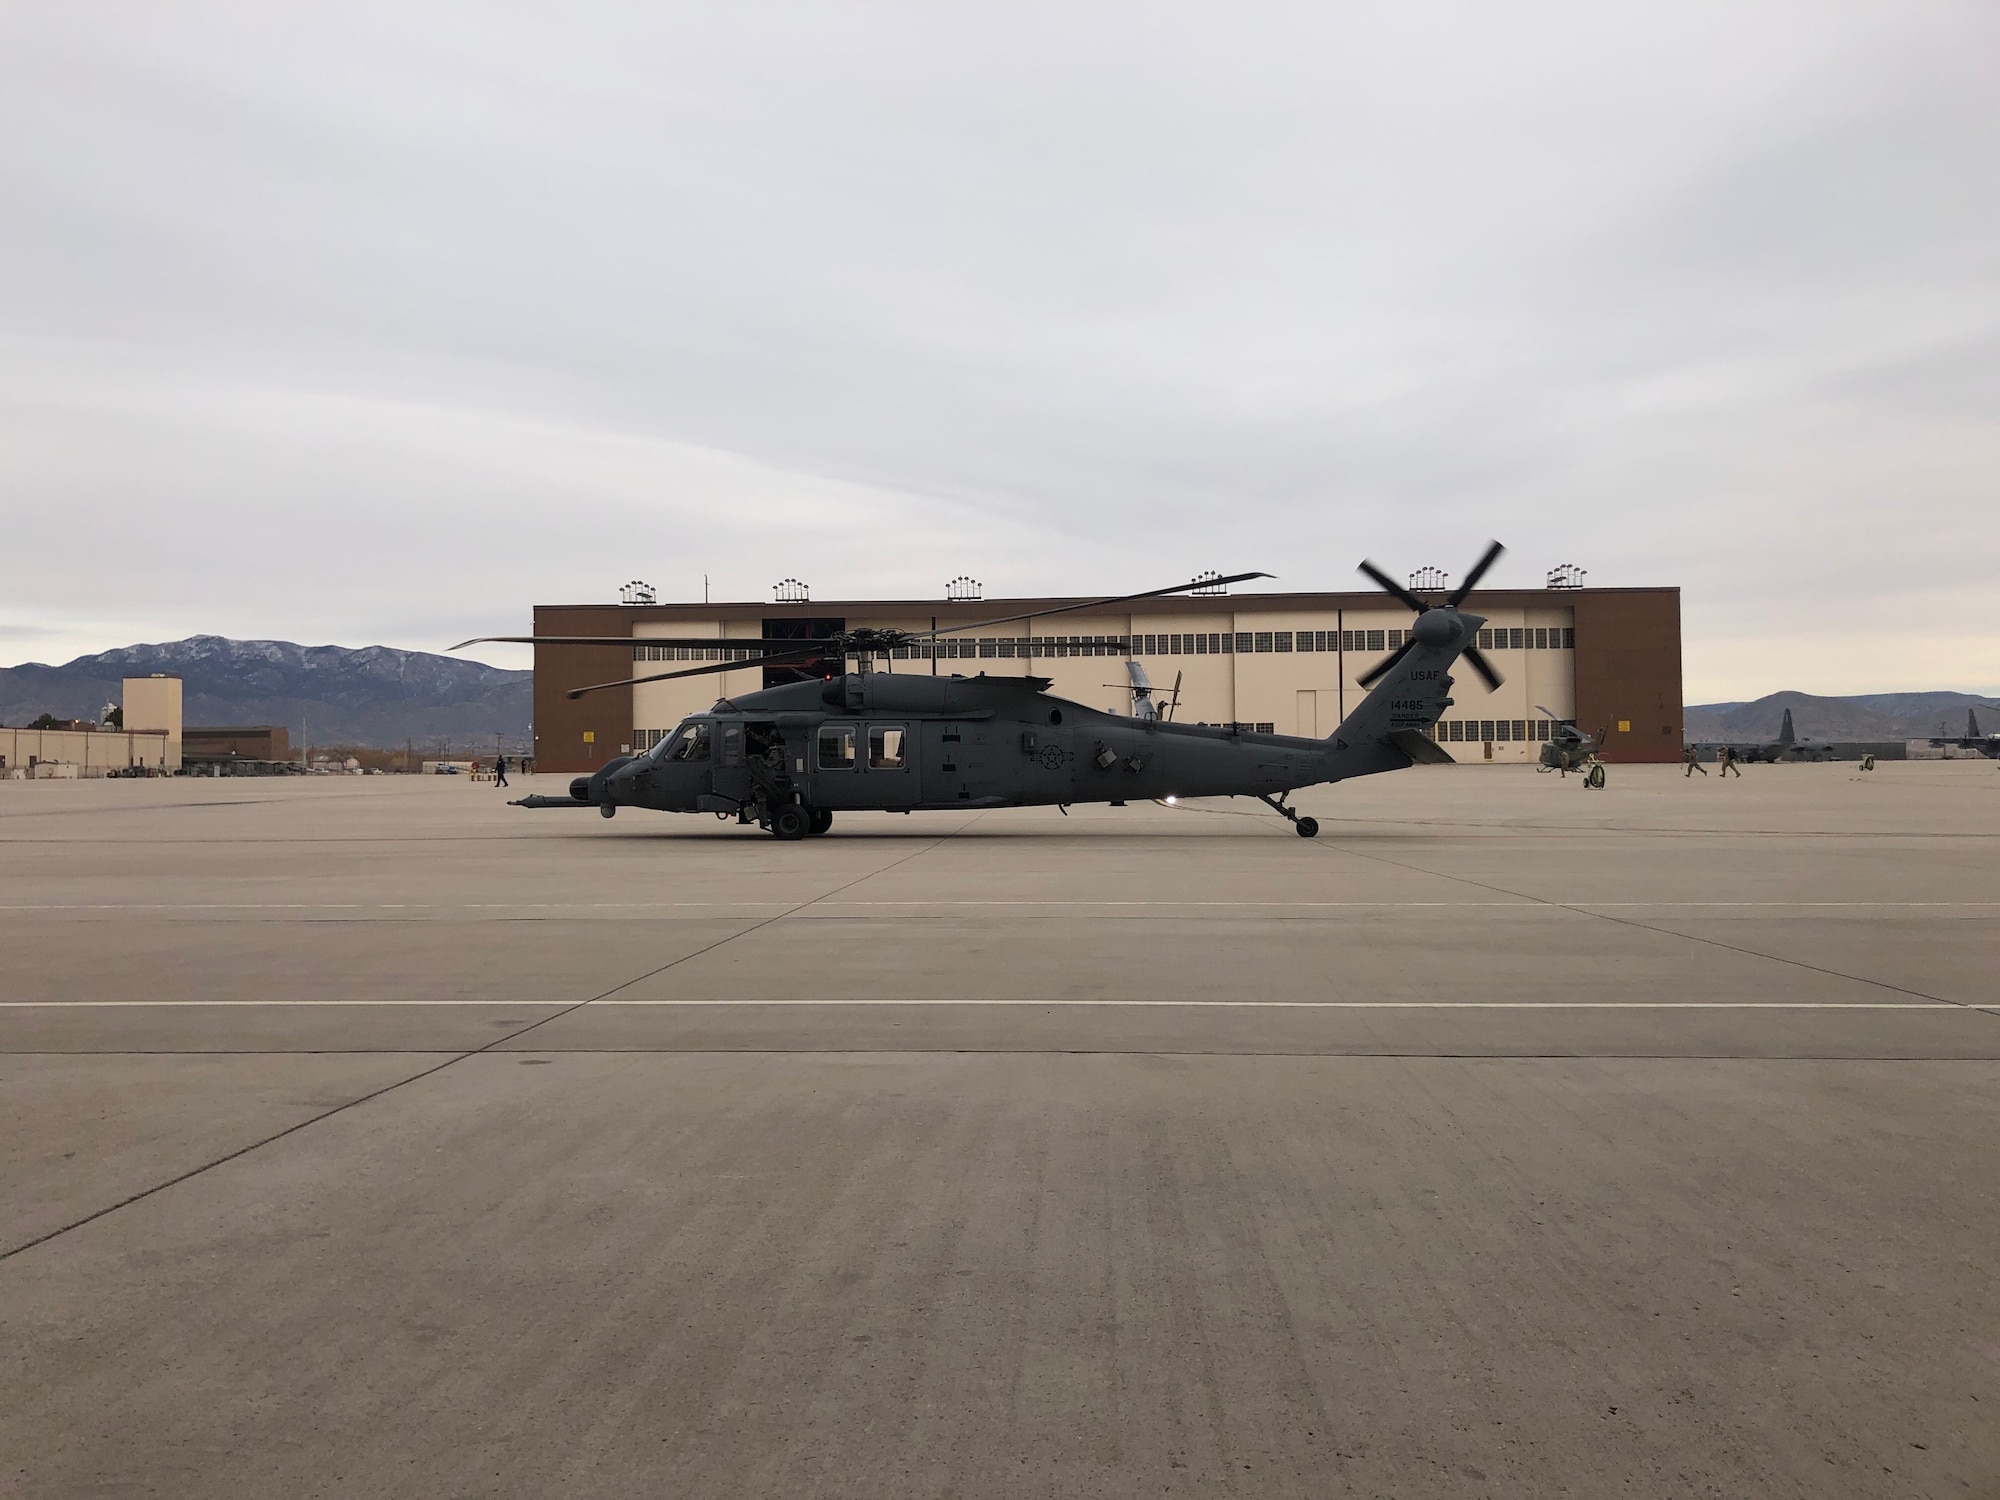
<point>1595,779</point>
<point>1308,827</point>
<point>791,822</point>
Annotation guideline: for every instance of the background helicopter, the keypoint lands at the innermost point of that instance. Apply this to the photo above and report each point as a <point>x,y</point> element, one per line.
<point>1141,687</point>
<point>1570,749</point>
<point>788,758</point>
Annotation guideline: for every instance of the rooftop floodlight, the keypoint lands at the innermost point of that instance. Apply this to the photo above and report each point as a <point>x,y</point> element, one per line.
<point>636,592</point>
<point>1428,580</point>
<point>962,590</point>
<point>1209,581</point>
<point>1566,576</point>
<point>790,591</point>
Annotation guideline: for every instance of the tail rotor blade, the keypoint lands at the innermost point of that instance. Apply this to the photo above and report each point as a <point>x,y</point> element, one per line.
<point>1458,595</point>
<point>1389,586</point>
<point>1383,667</point>
<point>1484,668</point>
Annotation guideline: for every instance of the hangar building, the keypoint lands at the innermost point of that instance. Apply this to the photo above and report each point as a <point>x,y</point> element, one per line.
<point>1284,663</point>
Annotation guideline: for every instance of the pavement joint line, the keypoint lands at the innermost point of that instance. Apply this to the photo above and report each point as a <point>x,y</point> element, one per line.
<point>606,1001</point>
<point>1351,1052</point>
<point>1525,902</point>
<point>1590,910</point>
<point>9,1252</point>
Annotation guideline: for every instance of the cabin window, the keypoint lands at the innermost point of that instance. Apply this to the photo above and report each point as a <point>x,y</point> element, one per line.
<point>885,747</point>
<point>836,747</point>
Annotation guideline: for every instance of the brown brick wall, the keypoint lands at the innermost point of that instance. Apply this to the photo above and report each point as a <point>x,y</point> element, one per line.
<point>1628,668</point>
<point>560,721</point>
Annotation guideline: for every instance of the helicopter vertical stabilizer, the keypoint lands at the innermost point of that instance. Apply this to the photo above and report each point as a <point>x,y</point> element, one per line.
<point>1410,688</point>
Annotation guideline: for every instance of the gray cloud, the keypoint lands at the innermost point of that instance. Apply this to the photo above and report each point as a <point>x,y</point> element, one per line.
<point>369,323</point>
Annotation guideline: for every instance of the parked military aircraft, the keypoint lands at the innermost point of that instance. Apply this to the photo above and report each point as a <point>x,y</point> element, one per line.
<point>1787,746</point>
<point>1141,687</point>
<point>1986,744</point>
<point>1570,749</point>
<point>789,758</point>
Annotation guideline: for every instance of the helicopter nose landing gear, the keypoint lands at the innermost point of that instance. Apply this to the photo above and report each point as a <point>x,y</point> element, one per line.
<point>1305,828</point>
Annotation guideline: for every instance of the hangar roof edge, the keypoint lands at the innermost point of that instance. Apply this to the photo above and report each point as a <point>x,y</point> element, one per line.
<point>1209,603</point>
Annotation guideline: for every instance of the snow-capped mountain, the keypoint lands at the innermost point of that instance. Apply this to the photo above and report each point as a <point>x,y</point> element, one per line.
<point>373,695</point>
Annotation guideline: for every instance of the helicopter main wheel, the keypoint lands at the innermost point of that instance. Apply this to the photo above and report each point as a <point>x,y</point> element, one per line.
<point>1307,828</point>
<point>821,821</point>
<point>791,822</point>
<point>1594,778</point>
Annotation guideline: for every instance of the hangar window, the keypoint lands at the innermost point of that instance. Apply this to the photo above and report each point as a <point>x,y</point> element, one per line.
<point>1541,638</point>
<point>1514,642</point>
<point>836,747</point>
<point>1455,728</point>
<point>1263,640</point>
<point>1305,640</point>
<point>1284,640</point>
<point>1377,640</point>
<point>1569,638</point>
<point>1267,729</point>
<point>1243,640</point>
<point>988,646</point>
<point>1484,641</point>
<point>1225,640</point>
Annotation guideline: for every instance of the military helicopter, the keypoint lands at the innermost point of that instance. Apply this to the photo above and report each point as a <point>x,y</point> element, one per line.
<point>1570,749</point>
<point>789,758</point>
<point>1144,706</point>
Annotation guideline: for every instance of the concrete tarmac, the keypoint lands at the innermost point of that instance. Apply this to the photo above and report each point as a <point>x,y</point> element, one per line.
<point>368,1136</point>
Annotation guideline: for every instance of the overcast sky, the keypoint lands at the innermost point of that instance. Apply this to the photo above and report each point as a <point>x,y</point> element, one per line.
<point>380,323</point>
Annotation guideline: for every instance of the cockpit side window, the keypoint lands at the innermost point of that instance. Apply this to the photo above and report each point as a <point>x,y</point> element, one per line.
<point>689,742</point>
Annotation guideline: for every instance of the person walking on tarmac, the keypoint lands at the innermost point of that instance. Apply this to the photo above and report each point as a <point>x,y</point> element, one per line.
<point>1693,763</point>
<point>500,771</point>
<point>1725,763</point>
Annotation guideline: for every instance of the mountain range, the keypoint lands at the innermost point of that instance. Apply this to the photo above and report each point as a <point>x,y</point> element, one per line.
<point>382,697</point>
<point>1865,716</point>
<point>374,695</point>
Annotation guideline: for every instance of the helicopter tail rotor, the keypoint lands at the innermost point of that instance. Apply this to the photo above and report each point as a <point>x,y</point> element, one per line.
<point>1445,630</point>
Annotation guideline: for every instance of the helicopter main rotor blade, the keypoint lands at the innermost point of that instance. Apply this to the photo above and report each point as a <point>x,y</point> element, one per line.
<point>739,642</point>
<point>1485,669</point>
<point>1389,586</point>
<point>1068,609</point>
<point>778,658</point>
<point>1382,668</point>
<point>1458,595</point>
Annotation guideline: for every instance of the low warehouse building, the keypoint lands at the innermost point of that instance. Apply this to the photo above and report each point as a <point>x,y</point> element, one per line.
<point>1287,663</point>
<point>40,753</point>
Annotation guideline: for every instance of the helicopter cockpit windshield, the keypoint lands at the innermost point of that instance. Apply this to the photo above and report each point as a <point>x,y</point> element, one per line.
<point>689,742</point>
